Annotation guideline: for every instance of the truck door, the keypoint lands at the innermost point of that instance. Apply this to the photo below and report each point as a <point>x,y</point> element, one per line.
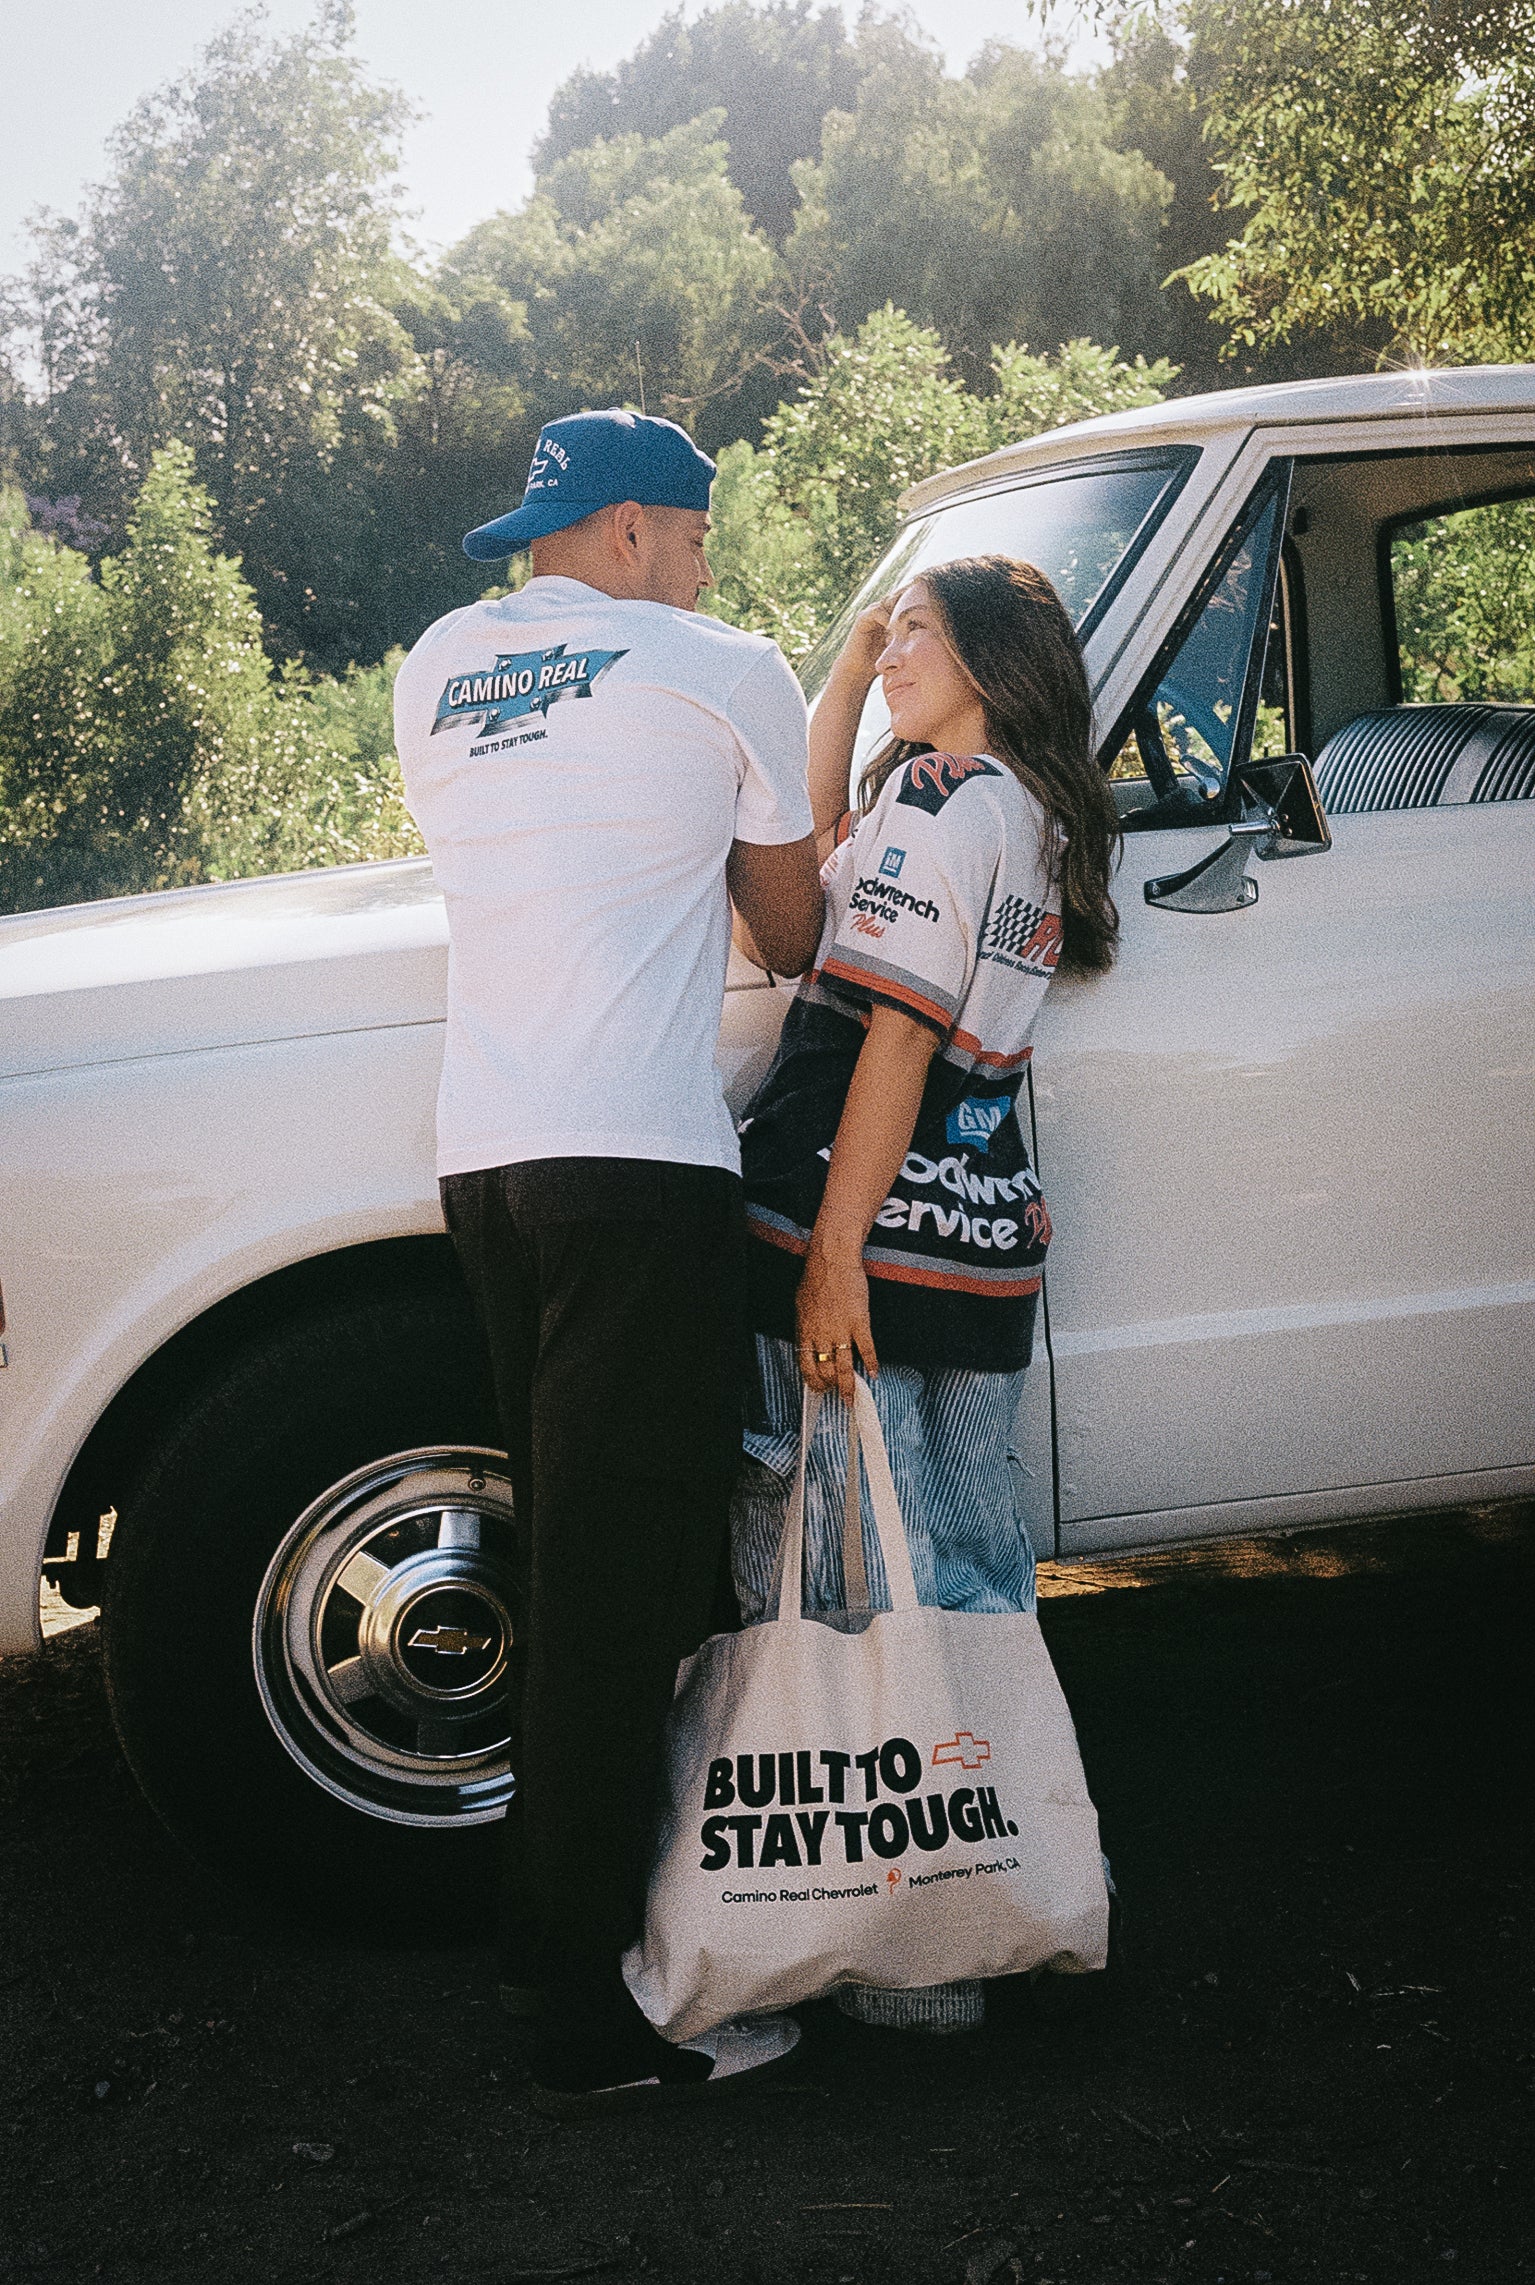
<point>1289,1147</point>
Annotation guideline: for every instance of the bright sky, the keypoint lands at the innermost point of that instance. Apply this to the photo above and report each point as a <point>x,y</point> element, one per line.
<point>480,71</point>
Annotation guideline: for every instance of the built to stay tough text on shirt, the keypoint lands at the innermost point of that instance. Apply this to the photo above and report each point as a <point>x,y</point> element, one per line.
<point>940,904</point>
<point>579,767</point>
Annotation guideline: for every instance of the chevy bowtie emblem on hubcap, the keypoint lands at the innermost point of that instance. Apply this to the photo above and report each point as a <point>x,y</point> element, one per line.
<point>448,1641</point>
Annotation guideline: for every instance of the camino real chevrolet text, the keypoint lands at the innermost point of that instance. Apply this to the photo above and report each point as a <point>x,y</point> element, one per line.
<point>1288,1143</point>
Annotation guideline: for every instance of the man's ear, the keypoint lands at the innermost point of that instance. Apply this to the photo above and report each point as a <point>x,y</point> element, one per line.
<point>628,520</point>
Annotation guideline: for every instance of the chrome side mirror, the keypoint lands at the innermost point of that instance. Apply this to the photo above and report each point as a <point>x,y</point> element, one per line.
<point>1282,816</point>
<point>1285,792</point>
<point>1218,881</point>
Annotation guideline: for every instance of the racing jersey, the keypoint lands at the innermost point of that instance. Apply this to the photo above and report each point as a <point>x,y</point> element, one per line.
<point>939,903</point>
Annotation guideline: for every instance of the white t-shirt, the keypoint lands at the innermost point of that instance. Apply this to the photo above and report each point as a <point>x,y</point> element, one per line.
<point>579,768</point>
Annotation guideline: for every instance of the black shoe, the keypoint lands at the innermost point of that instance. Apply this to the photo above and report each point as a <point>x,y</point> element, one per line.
<point>733,2059</point>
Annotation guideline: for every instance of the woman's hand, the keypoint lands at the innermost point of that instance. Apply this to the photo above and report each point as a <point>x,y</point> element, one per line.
<point>870,633</point>
<point>834,724</point>
<point>832,1306</point>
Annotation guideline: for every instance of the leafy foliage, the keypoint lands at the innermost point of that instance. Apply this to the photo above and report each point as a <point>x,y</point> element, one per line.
<point>992,208</point>
<point>763,556</point>
<point>1035,393</point>
<point>1155,92</point>
<point>772,72</point>
<point>798,523</point>
<point>884,411</point>
<point>1464,589</point>
<point>145,740</point>
<point>230,286</point>
<point>1380,158</point>
<point>631,242</point>
<point>817,240</point>
<point>237,281</point>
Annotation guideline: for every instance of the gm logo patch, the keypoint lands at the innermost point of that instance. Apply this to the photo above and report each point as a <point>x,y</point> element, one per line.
<point>977,1119</point>
<point>523,682</point>
<point>891,862</point>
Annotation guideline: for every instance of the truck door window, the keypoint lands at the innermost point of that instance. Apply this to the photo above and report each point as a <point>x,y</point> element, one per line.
<point>1196,715</point>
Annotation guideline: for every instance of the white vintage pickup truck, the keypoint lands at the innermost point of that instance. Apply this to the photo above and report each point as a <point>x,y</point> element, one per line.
<point>1288,1143</point>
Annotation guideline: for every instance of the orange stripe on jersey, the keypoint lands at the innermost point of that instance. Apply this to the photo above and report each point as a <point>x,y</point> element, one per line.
<point>774,1234</point>
<point>882,987</point>
<point>952,1281</point>
<point>973,1047</point>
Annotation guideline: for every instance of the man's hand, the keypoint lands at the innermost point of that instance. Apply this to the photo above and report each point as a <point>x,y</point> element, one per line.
<point>776,890</point>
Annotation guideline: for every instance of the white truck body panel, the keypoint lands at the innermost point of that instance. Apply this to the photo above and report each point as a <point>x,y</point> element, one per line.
<point>1290,1152</point>
<point>199,1089</point>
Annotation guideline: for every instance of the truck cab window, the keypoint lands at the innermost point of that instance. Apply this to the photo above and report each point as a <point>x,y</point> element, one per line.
<point>1463,595</point>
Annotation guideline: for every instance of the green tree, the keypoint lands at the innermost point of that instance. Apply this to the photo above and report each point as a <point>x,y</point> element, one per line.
<point>763,555</point>
<point>631,241</point>
<point>798,523</point>
<point>231,284</point>
<point>993,207</point>
<point>1081,381</point>
<point>1155,91</point>
<point>884,411</point>
<point>460,440</point>
<point>145,740</point>
<point>772,71</point>
<point>1377,158</point>
<point>1462,586</point>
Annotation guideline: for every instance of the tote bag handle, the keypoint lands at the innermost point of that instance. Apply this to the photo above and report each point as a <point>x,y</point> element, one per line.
<point>863,1430</point>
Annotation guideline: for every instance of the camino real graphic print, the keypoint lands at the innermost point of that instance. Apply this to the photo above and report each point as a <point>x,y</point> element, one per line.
<point>520,682</point>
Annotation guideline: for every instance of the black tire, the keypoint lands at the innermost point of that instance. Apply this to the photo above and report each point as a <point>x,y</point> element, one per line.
<point>298,1410</point>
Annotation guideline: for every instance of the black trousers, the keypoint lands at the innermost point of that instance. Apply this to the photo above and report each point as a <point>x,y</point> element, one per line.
<point>611,1296</point>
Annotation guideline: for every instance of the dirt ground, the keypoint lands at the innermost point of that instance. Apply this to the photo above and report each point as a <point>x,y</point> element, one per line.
<point>1313,1759</point>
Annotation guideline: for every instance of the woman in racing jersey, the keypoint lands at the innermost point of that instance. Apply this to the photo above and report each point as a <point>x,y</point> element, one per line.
<point>896,1221</point>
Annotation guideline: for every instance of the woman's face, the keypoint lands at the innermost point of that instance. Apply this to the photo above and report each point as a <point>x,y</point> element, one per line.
<point>932,700</point>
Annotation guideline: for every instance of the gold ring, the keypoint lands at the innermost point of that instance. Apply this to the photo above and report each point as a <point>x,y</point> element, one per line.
<point>824,1356</point>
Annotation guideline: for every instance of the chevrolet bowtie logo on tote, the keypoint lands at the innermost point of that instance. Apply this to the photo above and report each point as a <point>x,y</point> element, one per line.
<point>962,1748</point>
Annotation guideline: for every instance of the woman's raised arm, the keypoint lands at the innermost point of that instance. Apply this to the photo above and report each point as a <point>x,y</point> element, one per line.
<point>834,724</point>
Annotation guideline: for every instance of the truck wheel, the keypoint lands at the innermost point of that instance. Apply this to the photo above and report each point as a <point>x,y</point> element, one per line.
<point>307,1621</point>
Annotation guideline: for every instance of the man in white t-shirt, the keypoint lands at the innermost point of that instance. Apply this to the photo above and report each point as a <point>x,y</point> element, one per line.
<point>598,771</point>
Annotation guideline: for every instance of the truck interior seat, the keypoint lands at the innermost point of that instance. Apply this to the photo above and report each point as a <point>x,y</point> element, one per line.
<point>1420,757</point>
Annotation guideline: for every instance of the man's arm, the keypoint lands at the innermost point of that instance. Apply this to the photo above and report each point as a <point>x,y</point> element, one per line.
<point>776,890</point>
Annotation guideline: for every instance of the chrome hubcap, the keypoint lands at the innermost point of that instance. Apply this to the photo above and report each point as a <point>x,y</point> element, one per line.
<point>383,1636</point>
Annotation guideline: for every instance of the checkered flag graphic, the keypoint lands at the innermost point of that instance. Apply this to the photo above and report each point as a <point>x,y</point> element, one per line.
<point>1010,924</point>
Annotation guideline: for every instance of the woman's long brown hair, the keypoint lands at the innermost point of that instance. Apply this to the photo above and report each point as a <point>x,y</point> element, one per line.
<point>1010,632</point>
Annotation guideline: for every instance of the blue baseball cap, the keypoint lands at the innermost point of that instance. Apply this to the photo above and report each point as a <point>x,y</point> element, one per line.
<point>592,461</point>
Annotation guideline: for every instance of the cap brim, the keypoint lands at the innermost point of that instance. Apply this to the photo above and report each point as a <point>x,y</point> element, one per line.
<point>491,543</point>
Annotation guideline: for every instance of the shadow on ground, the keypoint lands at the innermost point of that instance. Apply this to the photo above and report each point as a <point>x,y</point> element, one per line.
<point>1313,1763</point>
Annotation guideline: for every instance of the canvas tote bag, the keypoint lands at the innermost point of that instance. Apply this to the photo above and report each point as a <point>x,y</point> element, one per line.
<point>896,1806</point>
